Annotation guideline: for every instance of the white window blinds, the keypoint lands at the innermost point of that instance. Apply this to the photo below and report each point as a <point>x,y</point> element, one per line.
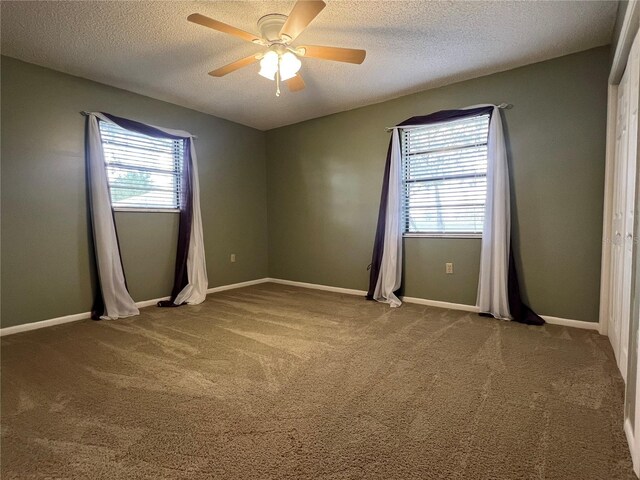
<point>445,177</point>
<point>143,172</point>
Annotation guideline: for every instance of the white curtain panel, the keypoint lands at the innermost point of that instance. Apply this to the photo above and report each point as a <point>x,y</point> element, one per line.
<point>196,290</point>
<point>390,274</point>
<point>493,292</point>
<point>117,301</point>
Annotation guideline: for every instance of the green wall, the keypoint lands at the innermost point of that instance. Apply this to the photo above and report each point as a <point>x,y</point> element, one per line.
<point>324,180</point>
<point>317,182</point>
<point>46,267</point>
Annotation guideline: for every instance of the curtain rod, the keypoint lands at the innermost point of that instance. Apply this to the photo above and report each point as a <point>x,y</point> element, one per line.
<point>504,106</point>
<point>86,114</point>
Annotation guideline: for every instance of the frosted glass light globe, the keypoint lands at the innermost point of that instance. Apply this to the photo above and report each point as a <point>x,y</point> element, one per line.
<point>269,65</point>
<point>289,65</point>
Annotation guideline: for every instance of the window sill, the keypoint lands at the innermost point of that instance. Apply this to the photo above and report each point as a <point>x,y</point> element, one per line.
<point>146,210</point>
<point>442,235</point>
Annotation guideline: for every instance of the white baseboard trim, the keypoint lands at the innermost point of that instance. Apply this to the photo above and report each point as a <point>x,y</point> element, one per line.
<point>25,327</point>
<point>222,288</point>
<point>571,323</point>
<point>149,303</point>
<point>435,303</point>
<point>315,286</point>
<point>439,304</point>
<point>473,308</point>
<point>628,431</point>
<point>85,315</point>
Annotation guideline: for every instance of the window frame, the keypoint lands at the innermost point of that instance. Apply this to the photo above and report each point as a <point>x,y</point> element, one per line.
<point>177,172</point>
<point>404,209</point>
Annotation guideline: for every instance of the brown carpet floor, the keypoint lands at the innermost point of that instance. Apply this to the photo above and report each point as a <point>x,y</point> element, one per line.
<point>276,382</point>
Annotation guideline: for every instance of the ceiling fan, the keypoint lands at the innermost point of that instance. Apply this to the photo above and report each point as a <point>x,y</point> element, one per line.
<point>281,62</point>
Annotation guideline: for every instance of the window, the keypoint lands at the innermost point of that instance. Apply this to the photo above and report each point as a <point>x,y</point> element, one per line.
<point>445,177</point>
<point>143,172</point>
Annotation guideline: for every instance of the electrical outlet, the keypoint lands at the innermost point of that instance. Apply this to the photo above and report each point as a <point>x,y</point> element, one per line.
<point>449,267</point>
<point>233,258</point>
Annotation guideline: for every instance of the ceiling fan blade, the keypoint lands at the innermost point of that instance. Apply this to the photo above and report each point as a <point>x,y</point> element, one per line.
<point>349,55</point>
<point>232,67</point>
<point>303,12</point>
<point>221,27</point>
<point>296,83</point>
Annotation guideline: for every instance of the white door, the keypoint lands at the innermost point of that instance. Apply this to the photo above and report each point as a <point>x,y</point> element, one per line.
<point>624,207</point>
<point>617,217</point>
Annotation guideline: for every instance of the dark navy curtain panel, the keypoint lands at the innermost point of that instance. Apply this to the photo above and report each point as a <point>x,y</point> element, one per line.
<point>518,310</point>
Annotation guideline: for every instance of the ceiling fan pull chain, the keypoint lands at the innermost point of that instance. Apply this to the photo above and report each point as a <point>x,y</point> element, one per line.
<point>278,78</point>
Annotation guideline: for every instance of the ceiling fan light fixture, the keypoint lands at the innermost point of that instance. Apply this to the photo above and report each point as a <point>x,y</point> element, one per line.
<point>287,63</point>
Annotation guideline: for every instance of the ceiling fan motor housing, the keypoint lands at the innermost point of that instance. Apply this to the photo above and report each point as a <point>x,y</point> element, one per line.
<point>270,26</point>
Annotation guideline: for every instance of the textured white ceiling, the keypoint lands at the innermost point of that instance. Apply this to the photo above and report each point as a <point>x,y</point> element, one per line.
<point>150,48</point>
